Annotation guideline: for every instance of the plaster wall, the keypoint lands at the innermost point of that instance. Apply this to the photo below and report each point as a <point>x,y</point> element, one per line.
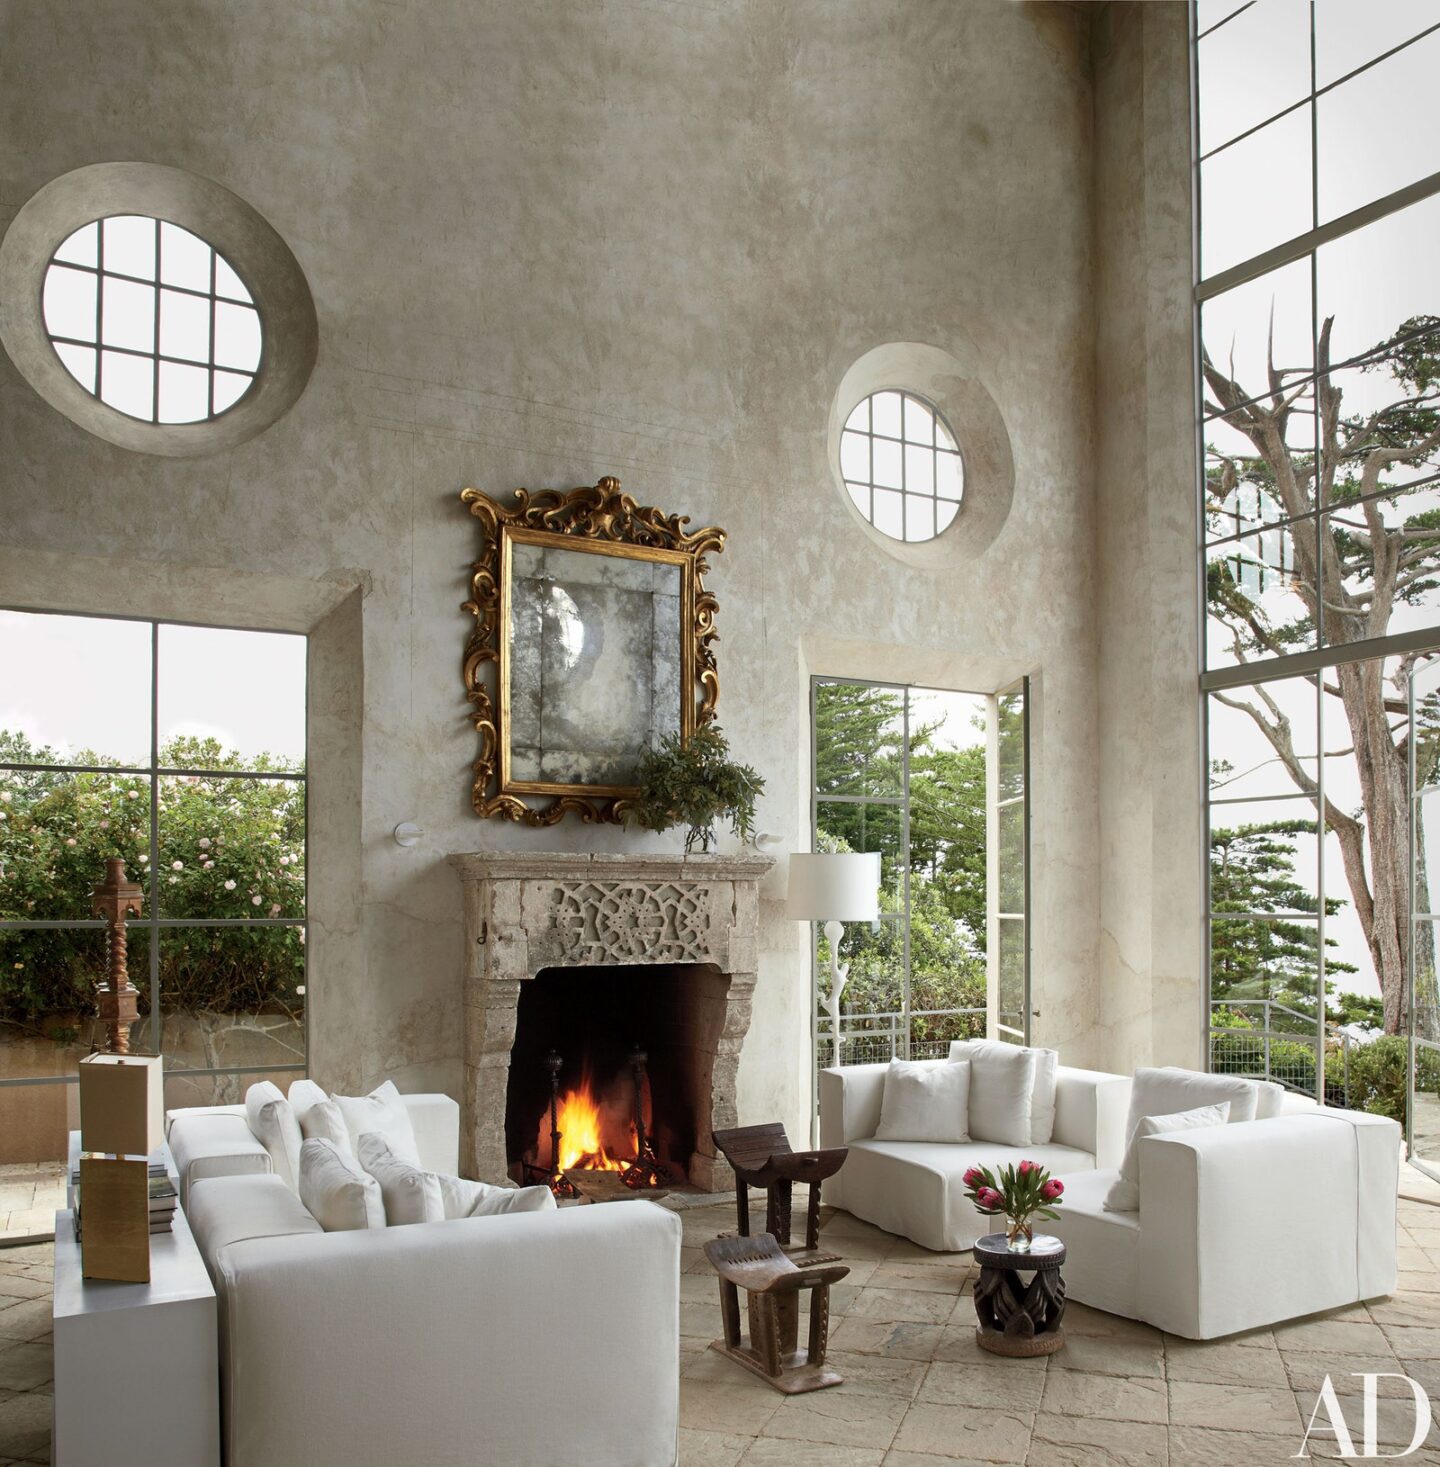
<point>556,240</point>
<point>1151,972</point>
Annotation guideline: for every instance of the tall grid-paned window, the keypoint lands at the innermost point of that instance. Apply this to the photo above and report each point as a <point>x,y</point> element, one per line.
<point>902,771</point>
<point>180,750</point>
<point>1318,306</point>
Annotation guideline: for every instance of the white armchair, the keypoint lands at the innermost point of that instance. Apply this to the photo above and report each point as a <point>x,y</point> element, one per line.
<point>1240,1226</point>
<point>915,1188</point>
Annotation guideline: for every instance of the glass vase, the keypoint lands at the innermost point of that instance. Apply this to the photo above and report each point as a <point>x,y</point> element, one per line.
<point>1019,1237</point>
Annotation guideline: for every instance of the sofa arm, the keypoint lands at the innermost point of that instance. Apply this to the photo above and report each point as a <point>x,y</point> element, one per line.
<point>850,1097</point>
<point>1247,1224</point>
<point>436,1119</point>
<point>1091,1108</point>
<point>207,1143</point>
<point>526,1339</point>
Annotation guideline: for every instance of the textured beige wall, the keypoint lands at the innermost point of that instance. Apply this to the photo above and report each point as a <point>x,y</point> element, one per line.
<point>572,237</point>
<point>1152,841</point>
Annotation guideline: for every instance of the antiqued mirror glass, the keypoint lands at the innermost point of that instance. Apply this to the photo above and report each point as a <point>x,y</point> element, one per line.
<point>594,664</point>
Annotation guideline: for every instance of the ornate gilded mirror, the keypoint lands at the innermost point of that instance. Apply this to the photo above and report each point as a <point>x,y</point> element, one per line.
<point>592,639</point>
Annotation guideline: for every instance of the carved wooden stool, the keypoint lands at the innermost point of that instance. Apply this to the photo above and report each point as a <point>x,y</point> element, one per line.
<point>772,1287</point>
<point>1016,1318</point>
<point>761,1157</point>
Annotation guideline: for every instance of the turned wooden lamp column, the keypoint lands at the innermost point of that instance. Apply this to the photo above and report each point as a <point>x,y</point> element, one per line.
<point>115,899</point>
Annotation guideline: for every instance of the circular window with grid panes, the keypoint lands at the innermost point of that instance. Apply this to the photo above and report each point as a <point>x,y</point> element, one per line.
<point>902,466</point>
<point>152,320</point>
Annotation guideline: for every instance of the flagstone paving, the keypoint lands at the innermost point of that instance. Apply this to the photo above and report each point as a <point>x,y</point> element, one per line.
<point>918,1390</point>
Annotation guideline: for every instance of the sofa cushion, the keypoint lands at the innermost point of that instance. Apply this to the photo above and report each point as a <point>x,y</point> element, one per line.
<point>382,1112</point>
<point>925,1100</point>
<point>337,1192</point>
<point>1002,1091</point>
<point>917,1188</point>
<point>1102,1249</point>
<point>1270,1098</point>
<point>410,1194</point>
<point>464,1198</point>
<point>1042,1102</point>
<point>225,1210</point>
<point>1164,1092</point>
<point>1124,1196</point>
<point>273,1124</point>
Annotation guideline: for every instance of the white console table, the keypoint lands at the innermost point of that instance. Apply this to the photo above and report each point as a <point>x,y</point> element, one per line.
<point>137,1374</point>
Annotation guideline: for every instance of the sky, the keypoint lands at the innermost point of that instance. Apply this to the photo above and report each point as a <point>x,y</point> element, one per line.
<point>84,683</point>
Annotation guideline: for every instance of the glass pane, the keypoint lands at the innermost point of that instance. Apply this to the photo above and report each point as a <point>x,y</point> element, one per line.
<point>35,1126</point>
<point>228,283</point>
<point>229,388</point>
<point>890,513</point>
<point>919,517</point>
<point>889,468</point>
<point>79,362</point>
<point>237,337</point>
<point>233,998</point>
<point>184,259</point>
<point>1010,739</point>
<point>1262,974</point>
<point>1239,1046</point>
<point>859,497</point>
<point>885,412</point>
<point>73,690</point>
<point>184,393</point>
<point>69,303</point>
<point>919,422</point>
<point>1348,35</point>
<point>1426,1015</point>
<point>184,1089</point>
<point>128,384</point>
<point>184,326</point>
<point>1010,993</point>
<point>130,245</point>
<point>1264,857</point>
<point>47,999</point>
<point>945,515</point>
<point>81,247</point>
<point>56,833</point>
<point>1256,193</point>
<point>1257,734</point>
<point>873,1002</point>
<point>1012,858</point>
<point>1263,322</point>
<point>859,418</point>
<point>919,469</point>
<point>865,827</point>
<point>231,847</point>
<point>855,456</point>
<point>1378,280</point>
<point>1259,599</point>
<point>127,314</point>
<point>1376,132</point>
<point>859,729</point>
<point>1352,541</point>
<point>231,699</point>
<point>1251,68</point>
<point>947,964</point>
<point>949,476</point>
<point>1425,1106</point>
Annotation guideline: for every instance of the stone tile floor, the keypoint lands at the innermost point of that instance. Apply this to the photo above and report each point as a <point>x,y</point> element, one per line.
<point>918,1390</point>
<point>30,1191</point>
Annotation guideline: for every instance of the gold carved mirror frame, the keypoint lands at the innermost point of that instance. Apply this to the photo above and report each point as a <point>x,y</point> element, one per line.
<point>599,520</point>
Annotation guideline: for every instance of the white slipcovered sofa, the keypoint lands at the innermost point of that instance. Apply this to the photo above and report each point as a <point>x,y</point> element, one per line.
<point>916,1188</point>
<point>1240,1226</point>
<point>523,1338</point>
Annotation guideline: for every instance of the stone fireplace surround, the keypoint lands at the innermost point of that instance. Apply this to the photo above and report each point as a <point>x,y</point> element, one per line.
<point>528,911</point>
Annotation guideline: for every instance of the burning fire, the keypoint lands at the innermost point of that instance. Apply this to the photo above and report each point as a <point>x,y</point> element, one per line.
<point>584,1126</point>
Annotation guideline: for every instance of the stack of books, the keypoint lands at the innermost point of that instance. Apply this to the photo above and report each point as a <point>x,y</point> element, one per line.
<point>163,1196</point>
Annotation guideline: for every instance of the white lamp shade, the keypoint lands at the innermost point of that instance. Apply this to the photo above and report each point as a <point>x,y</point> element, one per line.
<point>840,886</point>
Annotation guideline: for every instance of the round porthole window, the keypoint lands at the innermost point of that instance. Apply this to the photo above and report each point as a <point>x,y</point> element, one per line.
<point>152,320</point>
<point>155,309</point>
<point>901,466</point>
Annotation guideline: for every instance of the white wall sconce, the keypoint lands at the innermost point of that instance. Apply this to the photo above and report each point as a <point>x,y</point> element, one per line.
<point>408,834</point>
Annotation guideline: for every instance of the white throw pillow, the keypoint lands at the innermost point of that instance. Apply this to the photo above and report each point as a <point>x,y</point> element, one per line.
<point>304,1094</point>
<point>925,1100</point>
<point>1124,1193</point>
<point>383,1113</point>
<point>1164,1092</point>
<point>337,1193</point>
<point>1002,1092</point>
<point>410,1195</point>
<point>272,1123</point>
<point>463,1198</point>
<point>1042,1104</point>
<point>322,1121</point>
<point>1269,1097</point>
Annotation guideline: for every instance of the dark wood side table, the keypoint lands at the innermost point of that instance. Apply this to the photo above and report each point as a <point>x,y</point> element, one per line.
<point>1015,1317</point>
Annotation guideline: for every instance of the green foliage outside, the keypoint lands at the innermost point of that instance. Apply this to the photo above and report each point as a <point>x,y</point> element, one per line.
<point>859,734</point>
<point>229,847</point>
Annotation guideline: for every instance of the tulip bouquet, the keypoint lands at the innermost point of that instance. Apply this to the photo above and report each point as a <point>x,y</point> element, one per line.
<point>1017,1193</point>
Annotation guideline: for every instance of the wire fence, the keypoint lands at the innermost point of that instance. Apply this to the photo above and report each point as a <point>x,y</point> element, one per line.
<point>1273,1041</point>
<point>877,1038</point>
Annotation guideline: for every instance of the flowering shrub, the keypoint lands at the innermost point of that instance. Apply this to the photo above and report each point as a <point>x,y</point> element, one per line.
<point>1018,1193</point>
<point>228,847</point>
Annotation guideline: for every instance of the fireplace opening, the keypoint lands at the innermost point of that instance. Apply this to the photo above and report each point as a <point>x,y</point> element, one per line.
<point>596,1019</point>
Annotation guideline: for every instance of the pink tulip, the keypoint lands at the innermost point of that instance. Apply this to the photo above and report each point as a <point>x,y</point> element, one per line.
<point>989,1197</point>
<point>1026,1167</point>
<point>1052,1189</point>
<point>974,1177</point>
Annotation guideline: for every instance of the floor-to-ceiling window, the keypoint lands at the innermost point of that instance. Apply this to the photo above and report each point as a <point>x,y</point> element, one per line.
<point>1319,325</point>
<point>181,750</point>
<point>907,772</point>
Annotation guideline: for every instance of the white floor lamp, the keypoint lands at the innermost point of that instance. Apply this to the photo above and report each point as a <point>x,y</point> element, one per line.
<point>834,888</point>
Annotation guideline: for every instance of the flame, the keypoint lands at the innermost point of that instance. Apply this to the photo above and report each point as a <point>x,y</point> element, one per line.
<point>582,1125</point>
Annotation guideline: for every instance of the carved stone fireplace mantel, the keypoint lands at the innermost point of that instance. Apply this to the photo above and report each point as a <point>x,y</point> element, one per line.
<point>528,911</point>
